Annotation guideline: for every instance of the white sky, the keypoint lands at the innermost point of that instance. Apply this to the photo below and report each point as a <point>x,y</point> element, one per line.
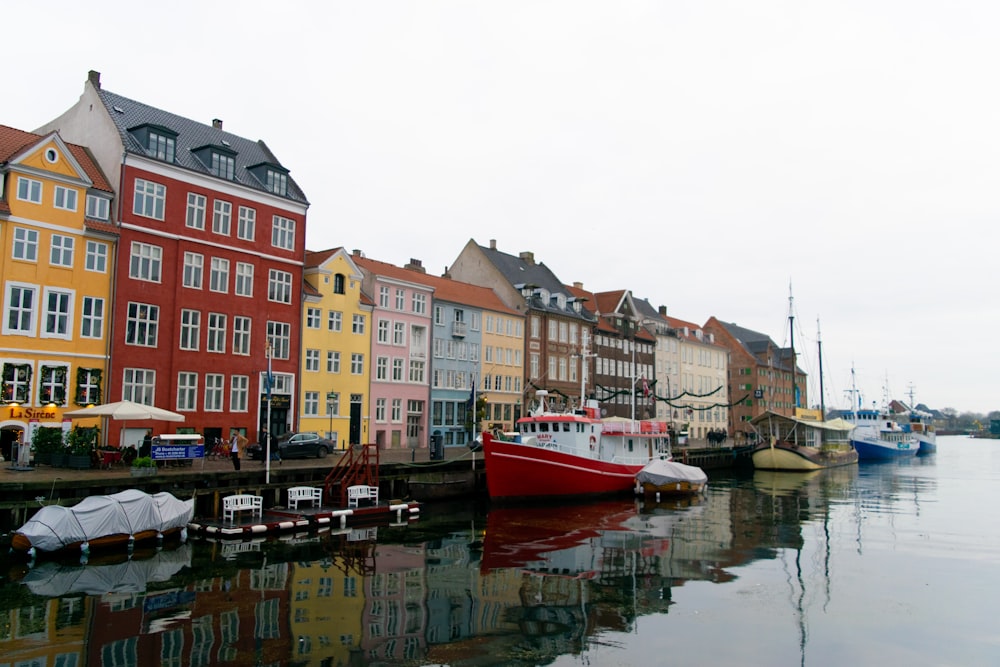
<point>703,154</point>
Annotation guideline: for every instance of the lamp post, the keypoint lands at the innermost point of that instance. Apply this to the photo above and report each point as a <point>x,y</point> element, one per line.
<point>329,411</point>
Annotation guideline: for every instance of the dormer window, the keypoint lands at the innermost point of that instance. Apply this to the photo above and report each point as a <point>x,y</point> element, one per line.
<point>223,166</point>
<point>158,141</point>
<point>277,182</point>
<point>272,176</point>
<point>219,160</point>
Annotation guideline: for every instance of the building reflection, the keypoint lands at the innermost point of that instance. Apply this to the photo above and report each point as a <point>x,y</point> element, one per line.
<point>528,584</point>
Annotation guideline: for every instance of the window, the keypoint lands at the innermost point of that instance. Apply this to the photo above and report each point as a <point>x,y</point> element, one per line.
<point>279,335</point>
<point>311,404</point>
<point>277,182</point>
<point>145,262</point>
<point>400,299</point>
<point>58,313</point>
<point>139,385</point>
<point>65,198</point>
<point>416,371</point>
<point>97,257</point>
<point>357,363</point>
<point>16,382</point>
<point>397,370</point>
<point>61,253</point>
<point>88,385</point>
<point>195,211</point>
<point>382,368</point>
<point>338,283</point>
<point>52,385</point>
<point>161,147</point>
<point>279,286</point>
<point>187,391</point>
<point>149,200</point>
<point>399,333</point>
<point>244,279</point>
<point>190,329</point>
<point>214,392</point>
<point>283,233</point>
<point>333,403</point>
<point>312,360</point>
<point>241,335</point>
<point>419,303</point>
<point>239,392</point>
<point>397,409</point>
<point>19,317</point>
<point>222,217</point>
<point>218,279</point>
<point>216,333</point>
<point>28,189</point>
<point>380,409</point>
<point>358,324</point>
<point>92,317</point>
<point>312,318</point>
<point>383,332</point>
<point>141,321</point>
<point>246,223</point>
<point>332,362</point>
<point>223,166</point>
<point>25,244</point>
<point>194,265</point>
<point>335,321</point>
<point>383,297</point>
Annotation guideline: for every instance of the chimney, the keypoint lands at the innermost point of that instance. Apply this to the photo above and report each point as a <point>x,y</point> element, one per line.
<point>357,252</point>
<point>217,123</point>
<point>415,265</point>
<point>94,78</point>
<point>528,257</point>
<point>662,310</point>
<point>577,284</point>
<point>493,244</point>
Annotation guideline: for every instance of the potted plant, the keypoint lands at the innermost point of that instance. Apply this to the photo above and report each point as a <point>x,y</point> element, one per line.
<point>82,441</point>
<point>143,466</point>
<point>47,443</point>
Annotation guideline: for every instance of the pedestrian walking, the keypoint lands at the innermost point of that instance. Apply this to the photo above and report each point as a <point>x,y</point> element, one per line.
<point>234,450</point>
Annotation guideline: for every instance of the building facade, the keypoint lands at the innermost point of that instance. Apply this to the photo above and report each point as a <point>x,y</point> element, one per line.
<point>208,278</point>
<point>336,346</point>
<point>57,254</point>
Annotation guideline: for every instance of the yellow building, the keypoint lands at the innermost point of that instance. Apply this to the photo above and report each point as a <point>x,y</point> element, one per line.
<point>336,345</point>
<point>57,246</point>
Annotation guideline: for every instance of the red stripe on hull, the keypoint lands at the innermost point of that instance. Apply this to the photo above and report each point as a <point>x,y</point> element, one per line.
<point>514,470</point>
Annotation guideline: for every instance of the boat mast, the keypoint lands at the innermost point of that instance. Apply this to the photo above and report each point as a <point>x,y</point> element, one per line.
<point>819,347</point>
<point>791,338</point>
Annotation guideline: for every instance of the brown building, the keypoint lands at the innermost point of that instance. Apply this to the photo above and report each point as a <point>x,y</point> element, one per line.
<point>760,375</point>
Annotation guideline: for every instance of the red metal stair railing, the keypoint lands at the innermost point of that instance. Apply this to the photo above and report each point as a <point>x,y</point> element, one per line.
<point>359,464</point>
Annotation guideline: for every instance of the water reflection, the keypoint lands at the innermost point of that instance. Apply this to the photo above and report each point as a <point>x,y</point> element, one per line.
<point>514,585</point>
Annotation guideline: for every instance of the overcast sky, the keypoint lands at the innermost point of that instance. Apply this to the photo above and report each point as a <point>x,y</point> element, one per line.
<point>705,155</point>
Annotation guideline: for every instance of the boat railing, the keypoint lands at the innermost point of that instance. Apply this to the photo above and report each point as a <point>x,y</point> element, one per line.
<point>644,427</point>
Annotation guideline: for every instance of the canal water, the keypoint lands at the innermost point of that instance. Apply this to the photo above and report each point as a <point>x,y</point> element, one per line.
<point>882,563</point>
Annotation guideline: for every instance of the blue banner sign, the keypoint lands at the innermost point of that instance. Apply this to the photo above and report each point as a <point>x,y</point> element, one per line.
<point>172,452</point>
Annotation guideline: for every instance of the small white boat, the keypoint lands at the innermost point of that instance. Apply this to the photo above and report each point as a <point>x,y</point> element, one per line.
<point>118,520</point>
<point>669,478</point>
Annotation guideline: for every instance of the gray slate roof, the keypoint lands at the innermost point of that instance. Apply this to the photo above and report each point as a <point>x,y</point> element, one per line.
<point>127,114</point>
<point>519,272</point>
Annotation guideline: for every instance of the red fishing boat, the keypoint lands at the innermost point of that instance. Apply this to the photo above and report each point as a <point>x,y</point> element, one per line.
<point>563,454</point>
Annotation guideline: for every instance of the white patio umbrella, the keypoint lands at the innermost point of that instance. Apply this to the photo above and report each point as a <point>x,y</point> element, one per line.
<point>127,411</point>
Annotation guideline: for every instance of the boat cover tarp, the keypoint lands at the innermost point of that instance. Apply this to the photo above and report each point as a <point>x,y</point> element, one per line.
<point>127,512</point>
<point>660,472</point>
<point>131,576</point>
<point>837,424</point>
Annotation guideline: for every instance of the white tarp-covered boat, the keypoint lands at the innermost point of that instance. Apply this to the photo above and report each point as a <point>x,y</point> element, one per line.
<point>130,576</point>
<point>666,477</point>
<point>104,521</point>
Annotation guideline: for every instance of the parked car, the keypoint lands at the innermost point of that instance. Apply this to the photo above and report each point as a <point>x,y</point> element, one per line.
<point>296,445</point>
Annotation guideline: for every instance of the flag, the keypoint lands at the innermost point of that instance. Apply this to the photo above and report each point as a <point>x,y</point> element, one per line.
<point>471,402</point>
<point>645,388</point>
<point>269,378</point>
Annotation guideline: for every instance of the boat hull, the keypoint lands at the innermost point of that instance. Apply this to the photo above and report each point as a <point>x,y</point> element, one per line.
<point>517,470</point>
<point>928,443</point>
<point>884,451</point>
<point>784,456</point>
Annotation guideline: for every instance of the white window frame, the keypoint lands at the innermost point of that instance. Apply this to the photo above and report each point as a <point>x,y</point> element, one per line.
<point>242,326</point>
<point>61,250</point>
<point>194,217</point>
<point>98,208</point>
<point>222,217</point>
<point>312,360</point>
<point>239,393</point>
<point>139,385</point>
<point>149,199</point>
<point>193,273</point>
<point>283,232</point>
<point>58,316</point>
<point>190,330</point>
<point>96,257</point>
<point>216,330</point>
<point>145,323</point>
<point>279,286</point>
<point>218,279</point>
<point>27,321</point>
<point>187,391</point>
<point>246,223</point>
<point>92,317</point>
<point>25,245</point>
<point>215,392</point>
<point>65,199</point>
<point>145,262</point>
<point>357,363</point>
<point>29,190</point>
<point>243,285</point>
